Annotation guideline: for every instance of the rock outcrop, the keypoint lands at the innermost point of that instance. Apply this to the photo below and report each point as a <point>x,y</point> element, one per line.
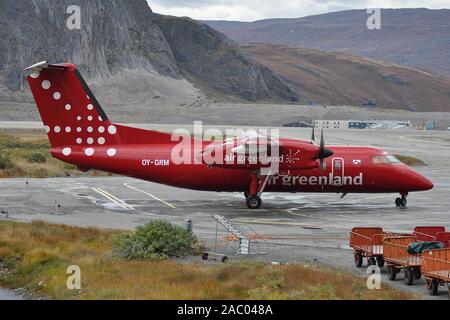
<point>118,36</point>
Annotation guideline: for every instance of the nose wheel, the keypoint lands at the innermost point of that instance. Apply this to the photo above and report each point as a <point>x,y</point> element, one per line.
<point>401,202</point>
<point>254,202</point>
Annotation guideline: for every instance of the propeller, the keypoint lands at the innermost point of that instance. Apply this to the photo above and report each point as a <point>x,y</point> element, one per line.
<point>313,136</point>
<point>323,154</point>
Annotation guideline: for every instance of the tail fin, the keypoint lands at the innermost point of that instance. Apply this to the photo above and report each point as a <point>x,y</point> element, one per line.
<point>70,112</point>
<point>72,115</point>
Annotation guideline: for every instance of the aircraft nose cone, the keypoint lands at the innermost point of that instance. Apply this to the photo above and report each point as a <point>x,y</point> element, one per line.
<point>421,183</point>
<point>425,184</point>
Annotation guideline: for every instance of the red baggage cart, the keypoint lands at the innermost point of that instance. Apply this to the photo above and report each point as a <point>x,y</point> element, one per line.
<point>436,269</point>
<point>396,255</point>
<point>428,233</point>
<point>368,243</point>
<point>444,237</point>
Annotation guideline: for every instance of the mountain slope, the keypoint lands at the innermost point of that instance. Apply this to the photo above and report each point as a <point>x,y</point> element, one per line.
<point>418,38</point>
<point>342,79</point>
<point>123,52</point>
<point>211,60</point>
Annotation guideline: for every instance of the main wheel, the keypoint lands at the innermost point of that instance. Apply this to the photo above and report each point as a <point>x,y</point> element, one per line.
<point>433,287</point>
<point>398,202</point>
<point>254,202</point>
<point>392,273</point>
<point>404,202</point>
<point>371,261</point>
<point>380,261</point>
<point>358,259</point>
<point>417,273</point>
<point>409,276</point>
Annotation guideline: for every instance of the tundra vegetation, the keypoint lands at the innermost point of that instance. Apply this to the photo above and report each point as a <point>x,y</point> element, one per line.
<point>36,256</point>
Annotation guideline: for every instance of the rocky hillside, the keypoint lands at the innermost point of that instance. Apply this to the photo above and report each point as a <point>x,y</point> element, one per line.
<point>213,61</point>
<point>419,38</point>
<point>341,79</point>
<point>129,54</point>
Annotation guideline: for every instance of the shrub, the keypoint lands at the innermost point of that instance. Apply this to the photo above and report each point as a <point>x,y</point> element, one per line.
<point>5,163</point>
<point>154,241</point>
<point>36,158</point>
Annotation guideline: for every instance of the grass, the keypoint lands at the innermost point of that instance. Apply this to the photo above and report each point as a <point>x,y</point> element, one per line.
<point>37,256</point>
<point>411,161</point>
<point>20,150</point>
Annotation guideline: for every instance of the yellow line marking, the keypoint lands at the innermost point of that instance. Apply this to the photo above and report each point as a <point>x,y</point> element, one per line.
<point>113,198</point>
<point>150,195</point>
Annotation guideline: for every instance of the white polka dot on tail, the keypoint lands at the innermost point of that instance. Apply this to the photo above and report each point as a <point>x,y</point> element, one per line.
<point>90,129</point>
<point>101,129</point>
<point>90,118</point>
<point>112,130</point>
<point>57,96</point>
<point>101,141</point>
<point>68,129</point>
<point>79,129</point>
<point>90,107</point>
<point>79,141</point>
<point>68,107</point>
<point>112,152</point>
<point>90,141</point>
<point>35,75</point>
<point>89,152</point>
<point>57,129</point>
<point>46,84</point>
<point>67,151</point>
<point>47,129</point>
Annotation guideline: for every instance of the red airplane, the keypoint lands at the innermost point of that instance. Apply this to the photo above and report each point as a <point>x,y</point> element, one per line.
<point>81,134</point>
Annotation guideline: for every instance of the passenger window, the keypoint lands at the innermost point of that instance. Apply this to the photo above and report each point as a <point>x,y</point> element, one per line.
<point>337,166</point>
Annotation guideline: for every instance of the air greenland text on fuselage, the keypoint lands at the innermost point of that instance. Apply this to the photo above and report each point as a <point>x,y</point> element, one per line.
<point>293,180</point>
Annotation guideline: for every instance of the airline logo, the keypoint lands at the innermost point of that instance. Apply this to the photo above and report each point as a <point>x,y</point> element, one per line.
<point>326,180</point>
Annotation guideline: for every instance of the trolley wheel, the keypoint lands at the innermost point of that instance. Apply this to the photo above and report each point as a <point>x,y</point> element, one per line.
<point>408,276</point>
<point>392,273</point>
<point>380,261</point>
<point>417,273</point>
<point>254,202</point>
<point>224,259</point>
<point>358,259</point>
<point>433,287</point>
<point>205,256</point>
<point>371,261</point>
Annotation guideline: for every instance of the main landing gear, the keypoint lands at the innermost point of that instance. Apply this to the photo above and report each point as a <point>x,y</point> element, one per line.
<point>257,186</point>
<point>402,202</point>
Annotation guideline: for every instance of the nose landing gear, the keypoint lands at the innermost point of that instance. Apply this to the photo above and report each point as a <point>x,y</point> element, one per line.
<point>402,202</point>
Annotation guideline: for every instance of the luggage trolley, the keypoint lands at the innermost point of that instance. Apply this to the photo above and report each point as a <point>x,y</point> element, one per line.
<point>428,233</point>
<point>397,258</point>
<point>436,269</point>
<point>368,243</point>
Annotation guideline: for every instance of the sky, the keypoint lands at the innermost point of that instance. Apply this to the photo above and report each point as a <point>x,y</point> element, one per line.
<point>251,10</point>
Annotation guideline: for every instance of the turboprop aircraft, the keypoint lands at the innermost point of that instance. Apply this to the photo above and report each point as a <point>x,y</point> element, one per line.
<point>81,134</point>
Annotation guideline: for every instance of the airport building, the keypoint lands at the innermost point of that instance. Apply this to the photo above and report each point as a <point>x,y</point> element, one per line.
<point>362,124</point>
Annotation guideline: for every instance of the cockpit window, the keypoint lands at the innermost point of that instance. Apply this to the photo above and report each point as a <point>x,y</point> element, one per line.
<point>385,160</point>
<point>393,159</point>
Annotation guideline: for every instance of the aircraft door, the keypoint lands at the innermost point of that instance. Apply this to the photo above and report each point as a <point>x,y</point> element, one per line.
<point>338,171</point>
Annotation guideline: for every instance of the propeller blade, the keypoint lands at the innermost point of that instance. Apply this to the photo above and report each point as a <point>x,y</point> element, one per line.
<point>313,136</point>
<point>323,152</point>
